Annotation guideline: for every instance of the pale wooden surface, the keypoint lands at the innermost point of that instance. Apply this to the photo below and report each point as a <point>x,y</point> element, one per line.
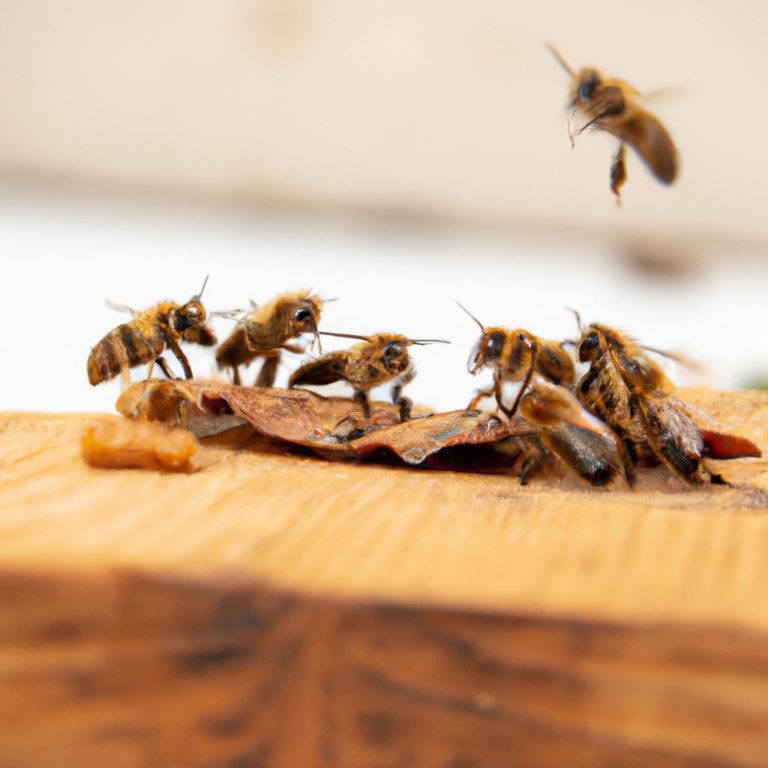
<point>275,611</point>
<point>662,553</point>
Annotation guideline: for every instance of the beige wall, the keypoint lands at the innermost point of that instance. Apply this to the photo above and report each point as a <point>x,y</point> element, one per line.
<point>450,107</point>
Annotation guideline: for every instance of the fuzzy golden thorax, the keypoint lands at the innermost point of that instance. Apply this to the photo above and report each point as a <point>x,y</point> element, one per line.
<point>381,358</point>
<point>283,318</point>
<point>604,346</point>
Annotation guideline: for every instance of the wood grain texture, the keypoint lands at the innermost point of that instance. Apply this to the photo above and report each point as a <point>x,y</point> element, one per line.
<point>280,610</point>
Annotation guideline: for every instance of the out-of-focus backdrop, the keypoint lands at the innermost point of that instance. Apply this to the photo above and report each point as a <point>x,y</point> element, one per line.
<point>395,155</point>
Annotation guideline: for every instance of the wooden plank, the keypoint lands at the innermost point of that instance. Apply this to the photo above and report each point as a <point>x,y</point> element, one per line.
<point>281,610</point>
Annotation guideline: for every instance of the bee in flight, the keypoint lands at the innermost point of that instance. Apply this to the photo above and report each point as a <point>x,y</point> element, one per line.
<point>613,106</point>
<point>267,330</point>
<point>630,392</point>
<point>145,338</point>
<point>516,355</point>
<point>378,359</point>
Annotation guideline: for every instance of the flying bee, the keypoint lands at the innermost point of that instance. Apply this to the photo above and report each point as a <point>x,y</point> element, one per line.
<point>145,338</point>
<point>612,106</point>
<point>563,428</point>
<point>516,355</point>
<point>630,392</point>
<point>378,359</point>
<point>268,330</point>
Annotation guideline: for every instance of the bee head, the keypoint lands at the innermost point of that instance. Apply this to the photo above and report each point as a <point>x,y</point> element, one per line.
<point>305,316</point>
<point>190,315</point>
<point>586,83</point>
<point>394,356</point>
<point>488,350</point>
<point>591,345</point>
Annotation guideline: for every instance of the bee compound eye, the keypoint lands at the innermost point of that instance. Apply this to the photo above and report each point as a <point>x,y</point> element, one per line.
<point>393,349</point>
<point>302,314</point>
<point>587,87</point>
<point>495,345</point>
<point>591,342</point>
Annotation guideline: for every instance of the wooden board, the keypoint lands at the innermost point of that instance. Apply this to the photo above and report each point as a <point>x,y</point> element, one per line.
<point>281,610</point>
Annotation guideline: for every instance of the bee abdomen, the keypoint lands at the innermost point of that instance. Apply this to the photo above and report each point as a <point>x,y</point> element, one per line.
<point>123,347</point>
<point>234,350</point>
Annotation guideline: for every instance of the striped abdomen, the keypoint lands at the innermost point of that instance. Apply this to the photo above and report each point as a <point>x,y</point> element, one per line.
<point>123,347</point>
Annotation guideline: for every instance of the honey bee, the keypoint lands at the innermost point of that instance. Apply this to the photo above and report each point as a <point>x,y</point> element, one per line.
<point>628,390</point>
<point>564,429</point>
<point>516,355</point>
<point>267,330</point>
<point>378,359</point>
<point>143,339</point>
<point>612,106</point>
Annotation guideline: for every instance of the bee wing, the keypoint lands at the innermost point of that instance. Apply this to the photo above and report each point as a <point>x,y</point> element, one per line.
<point>122,308</point>
<point>646,134</point>
<point>323,370</point>
<point>717,444</point>
<point>672,435</point>
<point>638,370</point>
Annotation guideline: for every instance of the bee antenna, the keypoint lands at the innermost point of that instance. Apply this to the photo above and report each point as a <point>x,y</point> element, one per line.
<point>577,315</point>
<point>421,342</point>
<point>560,60</point>
<point>343,335</point>
<point>199,295</point>
<point>229,314</point>
<point>482,327</point>
<point>330,301</point>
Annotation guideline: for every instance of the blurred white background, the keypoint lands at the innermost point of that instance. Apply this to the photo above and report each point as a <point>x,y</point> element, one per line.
<point>65,258</point>
<point>396,155</point>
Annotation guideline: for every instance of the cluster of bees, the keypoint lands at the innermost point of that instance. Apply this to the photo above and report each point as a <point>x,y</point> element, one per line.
<point>620,414</point>
<point>639,419</point>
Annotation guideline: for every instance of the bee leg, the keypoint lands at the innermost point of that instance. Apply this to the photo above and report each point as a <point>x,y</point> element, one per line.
<point>297,349</point>
<point>126,377</point>
<point>268,372</point>
<point>531,466</point>
<point>361,397</point>
<point>150,366</point>
<point>404,403</point>
<point>479,397</point>
<point>165,368</point>
<point>498,394</point>
<point>618,173</point>
<point>180,356</point>
<point>628,456</point>
<point>236,375</point>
